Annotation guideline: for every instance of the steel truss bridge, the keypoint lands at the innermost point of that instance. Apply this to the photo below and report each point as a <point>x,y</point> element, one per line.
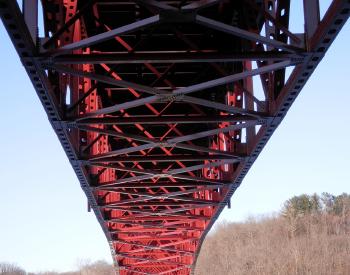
<point>153,103</point>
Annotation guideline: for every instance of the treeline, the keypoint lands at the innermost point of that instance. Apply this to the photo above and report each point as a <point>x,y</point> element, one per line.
<point>310,235</point>
<point>315,204</point>
<point>85,267</point>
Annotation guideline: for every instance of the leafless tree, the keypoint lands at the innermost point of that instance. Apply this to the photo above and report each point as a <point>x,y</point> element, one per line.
<point>87,267</point>
<point>315,241</point>
<point>11,269</point>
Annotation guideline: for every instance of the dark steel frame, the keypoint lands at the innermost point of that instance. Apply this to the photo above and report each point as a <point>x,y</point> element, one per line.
<point>161,216</point>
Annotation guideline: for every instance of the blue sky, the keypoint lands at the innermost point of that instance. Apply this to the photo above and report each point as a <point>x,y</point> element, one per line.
<point>44,220</point>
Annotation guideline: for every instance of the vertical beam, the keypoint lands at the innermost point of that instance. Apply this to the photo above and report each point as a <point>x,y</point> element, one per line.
<point>311,17</point>
<point>30,13</point>
<point>248,86</point>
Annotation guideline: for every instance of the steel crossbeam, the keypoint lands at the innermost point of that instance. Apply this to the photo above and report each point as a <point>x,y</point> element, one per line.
<point>156,110</point>
<point>169,57</point>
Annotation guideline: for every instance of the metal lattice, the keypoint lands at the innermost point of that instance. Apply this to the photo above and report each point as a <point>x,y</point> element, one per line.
<point>153,102</point>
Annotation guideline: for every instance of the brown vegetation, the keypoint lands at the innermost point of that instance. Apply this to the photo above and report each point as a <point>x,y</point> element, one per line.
<point>310,236</point>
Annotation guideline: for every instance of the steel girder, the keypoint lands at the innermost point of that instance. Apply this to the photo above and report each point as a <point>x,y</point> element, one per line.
<point>153,103</point>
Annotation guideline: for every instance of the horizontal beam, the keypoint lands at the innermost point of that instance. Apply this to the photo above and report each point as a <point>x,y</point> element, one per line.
<point>167,194</point>
<point>158,158</point>
<point>149,237</point>
<point>152,247</point>
<point>178,233</point>
<point>104,186</point>
<point>168,218</point>
<point>173,173</point>
<point>157,229</point>
<point>141,227</point>
<point>169,211</point>
<point>167,57</point>
<point>196,181</point>
<point>164,203</point>
<point>150,260</point>
<point>148,215</point>
<point>152,120</point>
<point>142,196</point>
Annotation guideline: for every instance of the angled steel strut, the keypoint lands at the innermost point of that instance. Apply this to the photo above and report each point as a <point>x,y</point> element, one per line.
<point>153,103</point>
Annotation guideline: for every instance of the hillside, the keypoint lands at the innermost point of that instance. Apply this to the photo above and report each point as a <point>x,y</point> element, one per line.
<point>310,236</point>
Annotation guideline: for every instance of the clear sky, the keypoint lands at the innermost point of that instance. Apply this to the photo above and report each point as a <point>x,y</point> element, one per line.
<point>44,223</point>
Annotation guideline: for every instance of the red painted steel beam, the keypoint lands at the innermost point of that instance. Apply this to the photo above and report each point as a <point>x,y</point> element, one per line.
<point>162,140</point>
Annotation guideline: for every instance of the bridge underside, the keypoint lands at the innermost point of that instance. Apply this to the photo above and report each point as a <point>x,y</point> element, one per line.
<point>153,102</point>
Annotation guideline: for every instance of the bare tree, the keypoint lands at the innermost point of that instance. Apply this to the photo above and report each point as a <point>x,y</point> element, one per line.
<point>310,236</point>
<point>11,269</point>
<point>87,267</point>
